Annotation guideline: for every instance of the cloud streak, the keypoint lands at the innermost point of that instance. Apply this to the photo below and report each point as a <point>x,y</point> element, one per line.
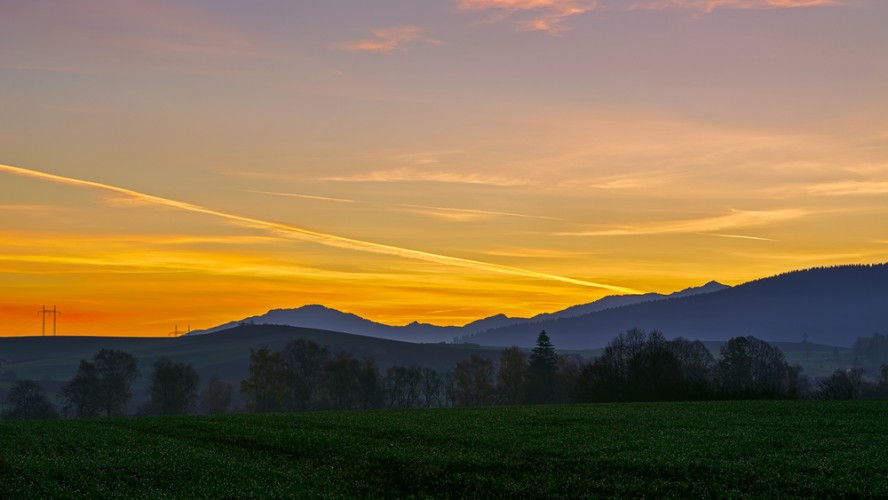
<point>387,40</point>
<point>736,218</point>
<point>455,213</point>
<point>422,175</point>
<point>711,5</point>
<point>848,188</point>
<point>546,15</point>
<point>550,15</point>
<point>294,232</point>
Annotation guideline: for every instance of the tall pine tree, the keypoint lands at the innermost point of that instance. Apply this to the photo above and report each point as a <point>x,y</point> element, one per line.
<point>543,365</point>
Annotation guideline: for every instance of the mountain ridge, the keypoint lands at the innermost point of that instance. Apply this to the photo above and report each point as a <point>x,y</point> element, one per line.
<point>323,317</point>
<point>831,305</point>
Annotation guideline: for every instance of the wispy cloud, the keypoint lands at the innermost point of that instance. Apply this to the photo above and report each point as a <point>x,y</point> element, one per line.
<point>409,174</point>
<point>737,218</point>
<point>294,232</point>
<point>125,31</point>
<point>738,236</point>
<point>24,207</point>
<point>540,253</point>
<point>450,213</point>
<point>304,196</point>
<point>386,40</point>
<point>711,5</point>
<point>550,15</point>
<point>544,15</point>
<point>848,188</point>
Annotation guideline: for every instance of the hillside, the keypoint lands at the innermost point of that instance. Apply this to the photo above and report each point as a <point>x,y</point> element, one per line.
<point>832,306</point>
<point>54,360</point>
<point>325,318</point>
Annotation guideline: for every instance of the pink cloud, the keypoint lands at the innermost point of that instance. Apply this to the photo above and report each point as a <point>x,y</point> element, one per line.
<point>388,40</point>
<point>711,5</point>
<point>550,15</point>
<point>547,15</point>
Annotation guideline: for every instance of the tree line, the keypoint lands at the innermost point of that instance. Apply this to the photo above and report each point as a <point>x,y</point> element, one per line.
<point>305,376</point>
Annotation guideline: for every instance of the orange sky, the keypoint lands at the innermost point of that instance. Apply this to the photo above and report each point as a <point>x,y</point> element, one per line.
<point>192,163</point>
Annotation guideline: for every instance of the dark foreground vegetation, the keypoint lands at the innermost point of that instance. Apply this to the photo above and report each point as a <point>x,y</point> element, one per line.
<point>727,448</point>
<point>636,366</point>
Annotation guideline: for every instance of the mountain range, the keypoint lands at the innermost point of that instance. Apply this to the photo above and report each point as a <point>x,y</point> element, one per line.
<point>831,305</point>
<point>321,317</point>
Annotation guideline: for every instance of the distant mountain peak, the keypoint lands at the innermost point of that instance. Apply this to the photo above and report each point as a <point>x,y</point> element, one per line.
<point>712,286</point>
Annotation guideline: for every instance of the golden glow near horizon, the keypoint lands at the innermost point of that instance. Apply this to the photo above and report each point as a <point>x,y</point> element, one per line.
<point>184,163</point>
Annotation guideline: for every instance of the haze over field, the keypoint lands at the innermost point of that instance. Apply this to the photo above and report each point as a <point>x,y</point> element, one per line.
<point>194,162</point>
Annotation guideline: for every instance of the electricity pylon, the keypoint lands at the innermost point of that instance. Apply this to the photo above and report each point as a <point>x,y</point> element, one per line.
<point>43,312</point>
<point>176,332</point>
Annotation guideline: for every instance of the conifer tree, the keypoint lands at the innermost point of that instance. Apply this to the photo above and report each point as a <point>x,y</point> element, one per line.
<point>543,365</point>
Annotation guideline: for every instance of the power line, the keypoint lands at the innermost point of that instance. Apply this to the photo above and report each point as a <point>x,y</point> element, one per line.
<point>54,313</point>
<point>177,333</point>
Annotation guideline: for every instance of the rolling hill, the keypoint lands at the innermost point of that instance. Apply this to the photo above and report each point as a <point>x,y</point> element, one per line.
<point>831,305</point>
<point>54,360</point>
<point>325,318</point>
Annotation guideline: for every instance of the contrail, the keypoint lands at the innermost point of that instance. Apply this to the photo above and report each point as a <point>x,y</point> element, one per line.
<point>405,205</point>
<point>331,240</point>
<point>738,236</point>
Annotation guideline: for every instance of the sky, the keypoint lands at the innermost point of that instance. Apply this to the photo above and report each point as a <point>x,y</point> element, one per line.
<point>166,165</point>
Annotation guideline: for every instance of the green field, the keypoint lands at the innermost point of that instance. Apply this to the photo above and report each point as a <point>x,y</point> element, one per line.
<point>802,448</point>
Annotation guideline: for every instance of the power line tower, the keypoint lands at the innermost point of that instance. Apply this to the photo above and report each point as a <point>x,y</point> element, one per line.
<point>178,333</point>
<point>55,313</point>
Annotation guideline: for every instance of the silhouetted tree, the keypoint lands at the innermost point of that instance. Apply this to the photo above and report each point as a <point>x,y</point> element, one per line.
<point>27,400</point>
<point>697,365</point>
<point>873,351</point>
<point>543,366</point>
<point>116,371</point>
<point>216,398</point>
<point>303,362</point>
<point>81,393</point>
<point>372,390</point>
<point>635,366</point>
<point>843,384</point>
<point>566,379</point>
<point>511,379</point>
<point>403,385</point>
<point>173,388</point>
<point>473,382</point>
<point>449,389</point>
<point>342,382</point>
<point>265,390</point>
<point>882,387</point>
<point>432,388</point>
<point>751,368</point>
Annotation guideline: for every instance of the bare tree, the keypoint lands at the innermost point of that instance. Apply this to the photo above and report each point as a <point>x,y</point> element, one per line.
<point>116,371</point>
<point>81,393</point>
<point>265,389</point>
<point>473,382</point>
<point>843,384</point>
<point>511,379</point>
<point>750,367</point>
<point>173,388</point>
<point>216,398</point>
<point>303,362</point>
<point>342,382</point>
<point>27,400</point>
<point>432,388</point>
<point>403,386</point>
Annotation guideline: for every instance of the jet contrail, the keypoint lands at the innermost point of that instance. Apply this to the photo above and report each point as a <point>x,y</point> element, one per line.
<point>332,240</point>
<point>405,205</point>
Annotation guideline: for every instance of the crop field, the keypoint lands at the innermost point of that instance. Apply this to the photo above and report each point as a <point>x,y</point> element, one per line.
<point>802,448</point>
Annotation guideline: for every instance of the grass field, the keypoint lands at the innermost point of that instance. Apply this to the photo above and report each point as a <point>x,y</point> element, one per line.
<point>810,449</point>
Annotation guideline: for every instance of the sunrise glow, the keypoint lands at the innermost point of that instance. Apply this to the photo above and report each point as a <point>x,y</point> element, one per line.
<point>167,165</point>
